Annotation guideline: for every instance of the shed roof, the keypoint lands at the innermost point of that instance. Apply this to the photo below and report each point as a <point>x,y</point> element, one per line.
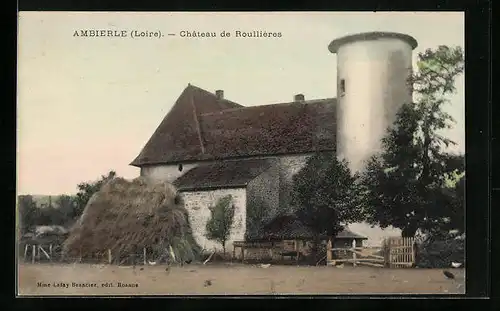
<point>289,227</point>
<point>226,174</point>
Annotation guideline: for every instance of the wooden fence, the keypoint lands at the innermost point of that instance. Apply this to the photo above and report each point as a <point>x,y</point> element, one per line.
<point>401,252</point>
<point>359,256</point>
<point>396,252</point>
<point>273,249</point>
<point>53,253</point>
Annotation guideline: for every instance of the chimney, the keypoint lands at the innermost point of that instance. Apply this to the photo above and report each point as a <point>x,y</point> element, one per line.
<point>219,94</point>
<point>299,98</point>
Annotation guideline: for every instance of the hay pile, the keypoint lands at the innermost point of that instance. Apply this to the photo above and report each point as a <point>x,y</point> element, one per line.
<point>126,216</point>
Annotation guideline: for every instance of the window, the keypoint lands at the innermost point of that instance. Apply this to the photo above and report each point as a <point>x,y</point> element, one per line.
<point>342,87</point>
<point>180,167</point>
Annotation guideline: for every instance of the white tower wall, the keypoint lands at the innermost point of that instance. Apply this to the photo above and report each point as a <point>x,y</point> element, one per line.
<point>372,73</point>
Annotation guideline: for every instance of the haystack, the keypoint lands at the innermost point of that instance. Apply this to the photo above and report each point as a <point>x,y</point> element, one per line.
<point>128,216</point>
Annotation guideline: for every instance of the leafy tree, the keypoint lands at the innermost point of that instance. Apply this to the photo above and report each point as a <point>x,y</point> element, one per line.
<point>404,184</point>
<point>327,196</point>
<point>66,208</point>
<point>454,219</point>
<point>48,214</point>
<point>27,212</point>
<point>43,216</point>
<point>219,225</point>
<point>87,189</point>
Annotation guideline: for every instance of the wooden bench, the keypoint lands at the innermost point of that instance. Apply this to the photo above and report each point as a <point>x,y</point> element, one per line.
<point>273,247</point>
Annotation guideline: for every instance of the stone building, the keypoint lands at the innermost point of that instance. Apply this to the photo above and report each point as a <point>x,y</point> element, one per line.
<point>210,147</point>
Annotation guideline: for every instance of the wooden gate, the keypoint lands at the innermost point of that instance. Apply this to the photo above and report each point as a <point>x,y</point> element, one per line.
<point>400,252</point>
<point>354,255</point>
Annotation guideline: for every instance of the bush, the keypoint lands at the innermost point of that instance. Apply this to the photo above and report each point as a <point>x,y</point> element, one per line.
<point>440,252</point>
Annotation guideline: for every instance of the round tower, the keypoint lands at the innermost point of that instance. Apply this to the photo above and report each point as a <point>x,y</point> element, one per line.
<point>372,73</point>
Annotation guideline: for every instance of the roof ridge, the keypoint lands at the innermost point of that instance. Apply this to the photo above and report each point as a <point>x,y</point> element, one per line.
<point>307,102</point>
<point>211,94</point>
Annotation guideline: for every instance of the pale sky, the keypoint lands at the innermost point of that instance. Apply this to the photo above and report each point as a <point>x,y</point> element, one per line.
<point>88,105</point>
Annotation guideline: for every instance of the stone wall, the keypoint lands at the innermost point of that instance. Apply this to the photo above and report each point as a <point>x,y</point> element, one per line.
<point>197,204</point>
<point>289,166</point>
<point>262,200</point>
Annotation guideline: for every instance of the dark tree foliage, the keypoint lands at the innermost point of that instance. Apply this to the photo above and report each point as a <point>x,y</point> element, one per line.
<point>326,194</point>
<point>406,184</point>
<point>27,211</point>
<point>65,210</point>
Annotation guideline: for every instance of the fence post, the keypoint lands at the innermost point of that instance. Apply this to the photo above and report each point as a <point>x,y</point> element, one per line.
<point>389,250</point>
<point>33,254</point>
<point>354,253</point>
<point>329,252</point>
<point>413,251</point>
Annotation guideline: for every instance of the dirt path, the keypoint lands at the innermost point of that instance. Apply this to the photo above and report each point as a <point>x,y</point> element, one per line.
<point>230,279</point>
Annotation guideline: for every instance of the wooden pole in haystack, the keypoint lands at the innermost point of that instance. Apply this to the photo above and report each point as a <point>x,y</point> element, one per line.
<point>50,251</point>
<point>134,252</point>
<point>144,251</point>
<point>33,254</point>
<point>44,252</point>
<point>110,259</point>
<point>26,251</point>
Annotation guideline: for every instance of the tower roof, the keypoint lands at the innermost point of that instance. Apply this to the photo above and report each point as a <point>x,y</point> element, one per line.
<point>365,36</point>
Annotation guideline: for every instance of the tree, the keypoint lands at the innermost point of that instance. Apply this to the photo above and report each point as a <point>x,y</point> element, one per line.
<point>87,189</point>
<point>66,208</point>
<point>454,219</point>
<point>404,184</point>
<point>27,212</point>
<point>219,225</point>
<point>326,195</point>
<point>44,216</point>
<point>48,214</point>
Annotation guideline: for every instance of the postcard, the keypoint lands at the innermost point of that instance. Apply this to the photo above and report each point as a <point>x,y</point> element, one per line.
<point>240,153</point>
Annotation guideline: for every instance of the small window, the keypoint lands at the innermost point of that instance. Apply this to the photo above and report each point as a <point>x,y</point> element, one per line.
<point>180,167</point>
<point>342,87</point>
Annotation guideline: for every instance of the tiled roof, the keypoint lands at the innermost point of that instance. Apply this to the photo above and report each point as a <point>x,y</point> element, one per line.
<point>202,127</point>
<point>226,174</point>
